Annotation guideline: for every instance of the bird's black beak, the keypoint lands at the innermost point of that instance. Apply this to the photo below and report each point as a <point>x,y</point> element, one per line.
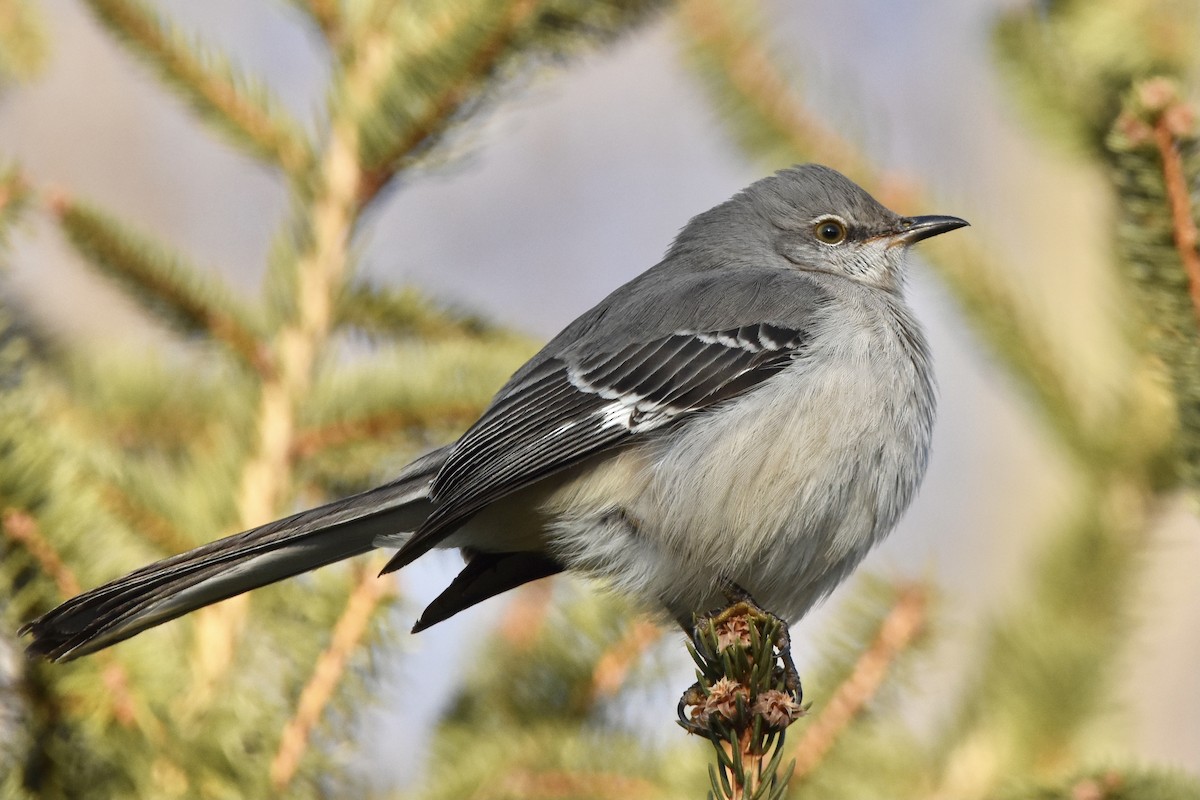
<point>916,229</point>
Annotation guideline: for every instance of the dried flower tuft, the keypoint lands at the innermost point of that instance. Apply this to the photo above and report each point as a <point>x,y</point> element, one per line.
<point>777,709</point>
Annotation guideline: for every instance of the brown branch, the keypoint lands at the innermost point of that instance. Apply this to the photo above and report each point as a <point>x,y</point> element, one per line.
<point>613,666</point>
<point>116,687</point>
<point>327,673</point>
<point>328,17</point>
<point>899,630</point>
<point>562,783</point>
<point>144,522</point>
<point>435,121</point>
<point>308,443</point>
<point>13,189</point>
<point>1166,129</point>
<point>320,273</point>
<point>526,614</point>
<point>22,528</point>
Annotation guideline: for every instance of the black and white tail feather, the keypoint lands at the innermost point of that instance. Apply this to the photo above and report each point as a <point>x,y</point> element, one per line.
<point>221,569</point>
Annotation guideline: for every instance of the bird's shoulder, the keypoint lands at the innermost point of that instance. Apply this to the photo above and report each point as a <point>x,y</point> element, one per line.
<point>665,302</point>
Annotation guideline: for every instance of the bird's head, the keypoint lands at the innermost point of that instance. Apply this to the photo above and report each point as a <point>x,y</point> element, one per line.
<point>822,221</point>
<point>809,218</point>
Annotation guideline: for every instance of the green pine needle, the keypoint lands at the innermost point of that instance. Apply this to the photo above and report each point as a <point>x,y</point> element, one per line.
<point>237,106</point>
<point>191,300</point>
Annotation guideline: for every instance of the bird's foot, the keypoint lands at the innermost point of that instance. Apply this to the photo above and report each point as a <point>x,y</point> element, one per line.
<point>744,624</point>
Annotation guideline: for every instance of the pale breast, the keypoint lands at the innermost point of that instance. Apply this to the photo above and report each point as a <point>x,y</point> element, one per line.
<point>782,491</point>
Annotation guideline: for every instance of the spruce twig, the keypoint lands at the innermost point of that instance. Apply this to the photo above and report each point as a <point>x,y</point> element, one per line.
<point>237,106</point>
<point>525,616</point>
<point>749,73</point>
<point>613,666</point>
<point>15,194</point>
<point>317,272</point>
<point>399,312</point>
<point>191,299</point>
<point>742,701</point>
<point>441,110</point>
<point>22,528</point>
<point>310,442</point>
<point>369,592</point>
<point>23,46</point>
<point>1177,119</point>
<point>147,523</point>
<point>563,783</point>
<point>328,18</point>
<point>899,630</point>
<point>1156,157</point>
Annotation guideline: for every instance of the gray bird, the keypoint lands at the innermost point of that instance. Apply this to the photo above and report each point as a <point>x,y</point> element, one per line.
<point>754,411</point>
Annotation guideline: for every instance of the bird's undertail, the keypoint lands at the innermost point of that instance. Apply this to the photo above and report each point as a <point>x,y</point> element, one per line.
<point>215,571</point>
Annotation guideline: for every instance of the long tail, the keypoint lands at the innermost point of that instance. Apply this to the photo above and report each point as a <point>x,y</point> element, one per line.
<point>215,571</point>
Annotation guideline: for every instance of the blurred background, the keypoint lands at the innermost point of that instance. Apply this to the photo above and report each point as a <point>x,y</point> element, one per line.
<point>547,179</point>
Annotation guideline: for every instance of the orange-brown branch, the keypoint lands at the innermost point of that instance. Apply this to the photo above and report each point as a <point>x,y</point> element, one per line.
<point>22,528</point>
<point>315,440</point>
<point>1179,198</point>
<point>330,666</point>
<point>526,614</point>
<point>149,524</point>
<point>561,783</point>
<point>900,628</point>
<point>612,668</point>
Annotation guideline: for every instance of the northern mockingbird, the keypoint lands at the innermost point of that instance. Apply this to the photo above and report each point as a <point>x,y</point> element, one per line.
<point>753,411</point>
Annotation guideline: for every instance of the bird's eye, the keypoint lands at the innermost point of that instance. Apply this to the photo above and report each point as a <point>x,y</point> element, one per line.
<point>830,231</point>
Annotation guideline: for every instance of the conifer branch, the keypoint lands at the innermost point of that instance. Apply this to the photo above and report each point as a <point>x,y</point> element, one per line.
<point>613,666</point>
<point>327,16</point>
<point>1156,157</point>
<point>771,122</point>
<point>369,592</point>
<point>15,194</point>
<point>312,441</point>
<point>456,91</point>
<point>1173,122</point>
<point>550,785</point>
<point>756,85</point>
<point>525,616</point>
<point>22,528</point>
<point>235,105</point>
<point>182,295</point>
<point>903,625</point>
<point>1015,717</point>
<point>400,312</point>
<point>144,522</point>
<point>22,39</point>
<point>116,685</point>
<point>318,272</point>
<point>744,699</point>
